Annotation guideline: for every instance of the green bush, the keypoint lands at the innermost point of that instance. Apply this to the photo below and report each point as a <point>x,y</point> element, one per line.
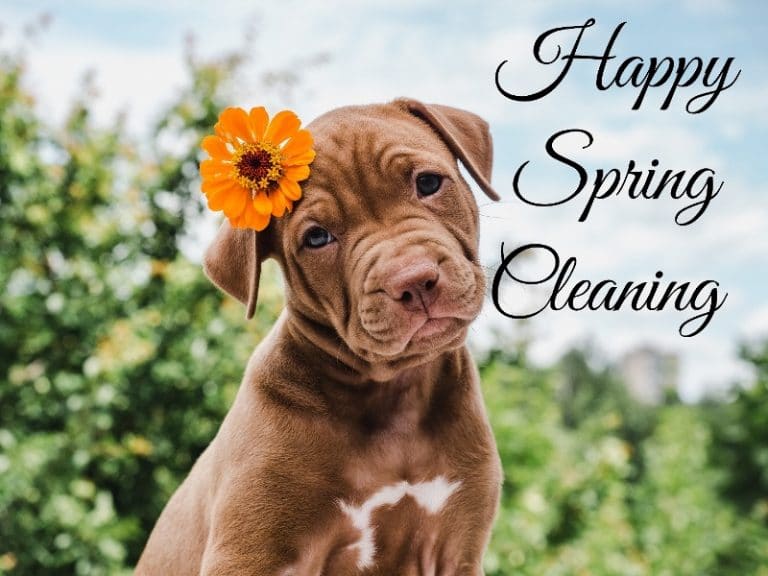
<point>117,357</point>
<point>628,490</point>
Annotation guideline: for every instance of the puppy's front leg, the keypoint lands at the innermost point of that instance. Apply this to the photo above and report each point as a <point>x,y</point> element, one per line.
<point>312,559</point>
<point>279,528</point>
<point>468,537</point>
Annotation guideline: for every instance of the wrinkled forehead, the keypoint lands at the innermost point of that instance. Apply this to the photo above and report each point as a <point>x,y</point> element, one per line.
<point>369,154</point>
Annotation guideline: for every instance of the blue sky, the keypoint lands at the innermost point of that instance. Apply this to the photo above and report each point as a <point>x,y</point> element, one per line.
<point>447,53</point>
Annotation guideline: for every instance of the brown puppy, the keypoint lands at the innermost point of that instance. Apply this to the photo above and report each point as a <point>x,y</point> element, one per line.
<point>358,443</point>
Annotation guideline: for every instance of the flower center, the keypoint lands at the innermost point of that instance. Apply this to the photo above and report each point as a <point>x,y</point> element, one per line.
<point>257,166</point>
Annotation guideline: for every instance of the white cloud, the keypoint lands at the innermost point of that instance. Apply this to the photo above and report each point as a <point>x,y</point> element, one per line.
<point>138,83</point>
<point>756,325</point>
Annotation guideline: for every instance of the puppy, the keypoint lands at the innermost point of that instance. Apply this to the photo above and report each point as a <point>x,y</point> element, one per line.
<point>358,443</point>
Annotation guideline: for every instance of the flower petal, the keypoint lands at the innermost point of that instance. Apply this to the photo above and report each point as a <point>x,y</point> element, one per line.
<point>218,199</point>
<point>212,186</point>
<point>259,120</point>
<point>301,159</point>
<point>300,143</point>
<point>262,220</point>
<point>262,203</point>
<point>233,123</point>
<point>234,203</point>
<point>215,201</point>
<point>252,218</point>
<point>216,148</point>
<point>213,167</point>
<point>296,173</point>
<point>283,125</point>
<point>239,222</point>
<point>218,196</point>
<point>279,203</point>
<point>290,189</point>
<point>218,178</point>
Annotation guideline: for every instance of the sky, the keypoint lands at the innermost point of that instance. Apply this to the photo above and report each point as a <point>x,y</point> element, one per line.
<point>348,52</point>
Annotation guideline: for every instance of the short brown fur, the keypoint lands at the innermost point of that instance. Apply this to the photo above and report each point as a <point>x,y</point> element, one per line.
<point>354,389</point>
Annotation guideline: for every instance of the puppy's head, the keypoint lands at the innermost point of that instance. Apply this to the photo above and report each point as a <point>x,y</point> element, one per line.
<point>382,249</point>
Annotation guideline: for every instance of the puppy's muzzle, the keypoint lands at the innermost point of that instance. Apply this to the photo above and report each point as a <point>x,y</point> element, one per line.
<point>414,284</point>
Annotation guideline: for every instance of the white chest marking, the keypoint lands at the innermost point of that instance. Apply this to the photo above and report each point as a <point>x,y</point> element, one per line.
<point>431,496</point>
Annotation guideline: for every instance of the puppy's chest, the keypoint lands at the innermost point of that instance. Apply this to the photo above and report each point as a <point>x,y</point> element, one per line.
<point>400,495</point>
<point>400,527</point>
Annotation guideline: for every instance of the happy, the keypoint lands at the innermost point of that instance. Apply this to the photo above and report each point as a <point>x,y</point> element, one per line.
<point>656,72</point>
<point>703,298</point>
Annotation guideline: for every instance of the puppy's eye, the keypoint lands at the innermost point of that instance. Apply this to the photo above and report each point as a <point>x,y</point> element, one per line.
<point>317,237</point>
<point>428,183</point>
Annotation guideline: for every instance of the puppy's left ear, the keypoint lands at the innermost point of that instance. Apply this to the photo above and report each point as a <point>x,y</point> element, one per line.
<point>233,263</point>
<point>465,134</point>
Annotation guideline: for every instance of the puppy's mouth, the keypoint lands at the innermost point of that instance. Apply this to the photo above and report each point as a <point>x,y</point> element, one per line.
<point>424,334</point>
<point>435,327</point>
<point>431,327</point>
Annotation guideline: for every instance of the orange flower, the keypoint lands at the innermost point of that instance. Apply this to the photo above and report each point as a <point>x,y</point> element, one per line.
<point>255,165</point>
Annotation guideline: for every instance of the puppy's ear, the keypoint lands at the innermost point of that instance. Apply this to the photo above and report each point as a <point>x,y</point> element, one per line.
<point>233,263</point>
<point>465,134</point>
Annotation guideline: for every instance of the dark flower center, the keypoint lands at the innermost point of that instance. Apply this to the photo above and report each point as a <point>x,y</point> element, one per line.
<point>254,165</point>
<point>258,166</point>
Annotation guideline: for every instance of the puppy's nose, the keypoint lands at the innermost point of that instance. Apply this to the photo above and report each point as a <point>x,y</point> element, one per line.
<point>414,286</point>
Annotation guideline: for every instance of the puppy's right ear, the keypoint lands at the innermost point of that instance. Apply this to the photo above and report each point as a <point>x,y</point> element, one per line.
<point>233,263</point>
<point>465,134</point>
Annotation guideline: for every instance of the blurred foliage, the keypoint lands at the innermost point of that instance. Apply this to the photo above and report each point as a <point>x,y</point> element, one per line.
<point>118,360</point>
<point>596,483</point>
<point>117,357</point>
